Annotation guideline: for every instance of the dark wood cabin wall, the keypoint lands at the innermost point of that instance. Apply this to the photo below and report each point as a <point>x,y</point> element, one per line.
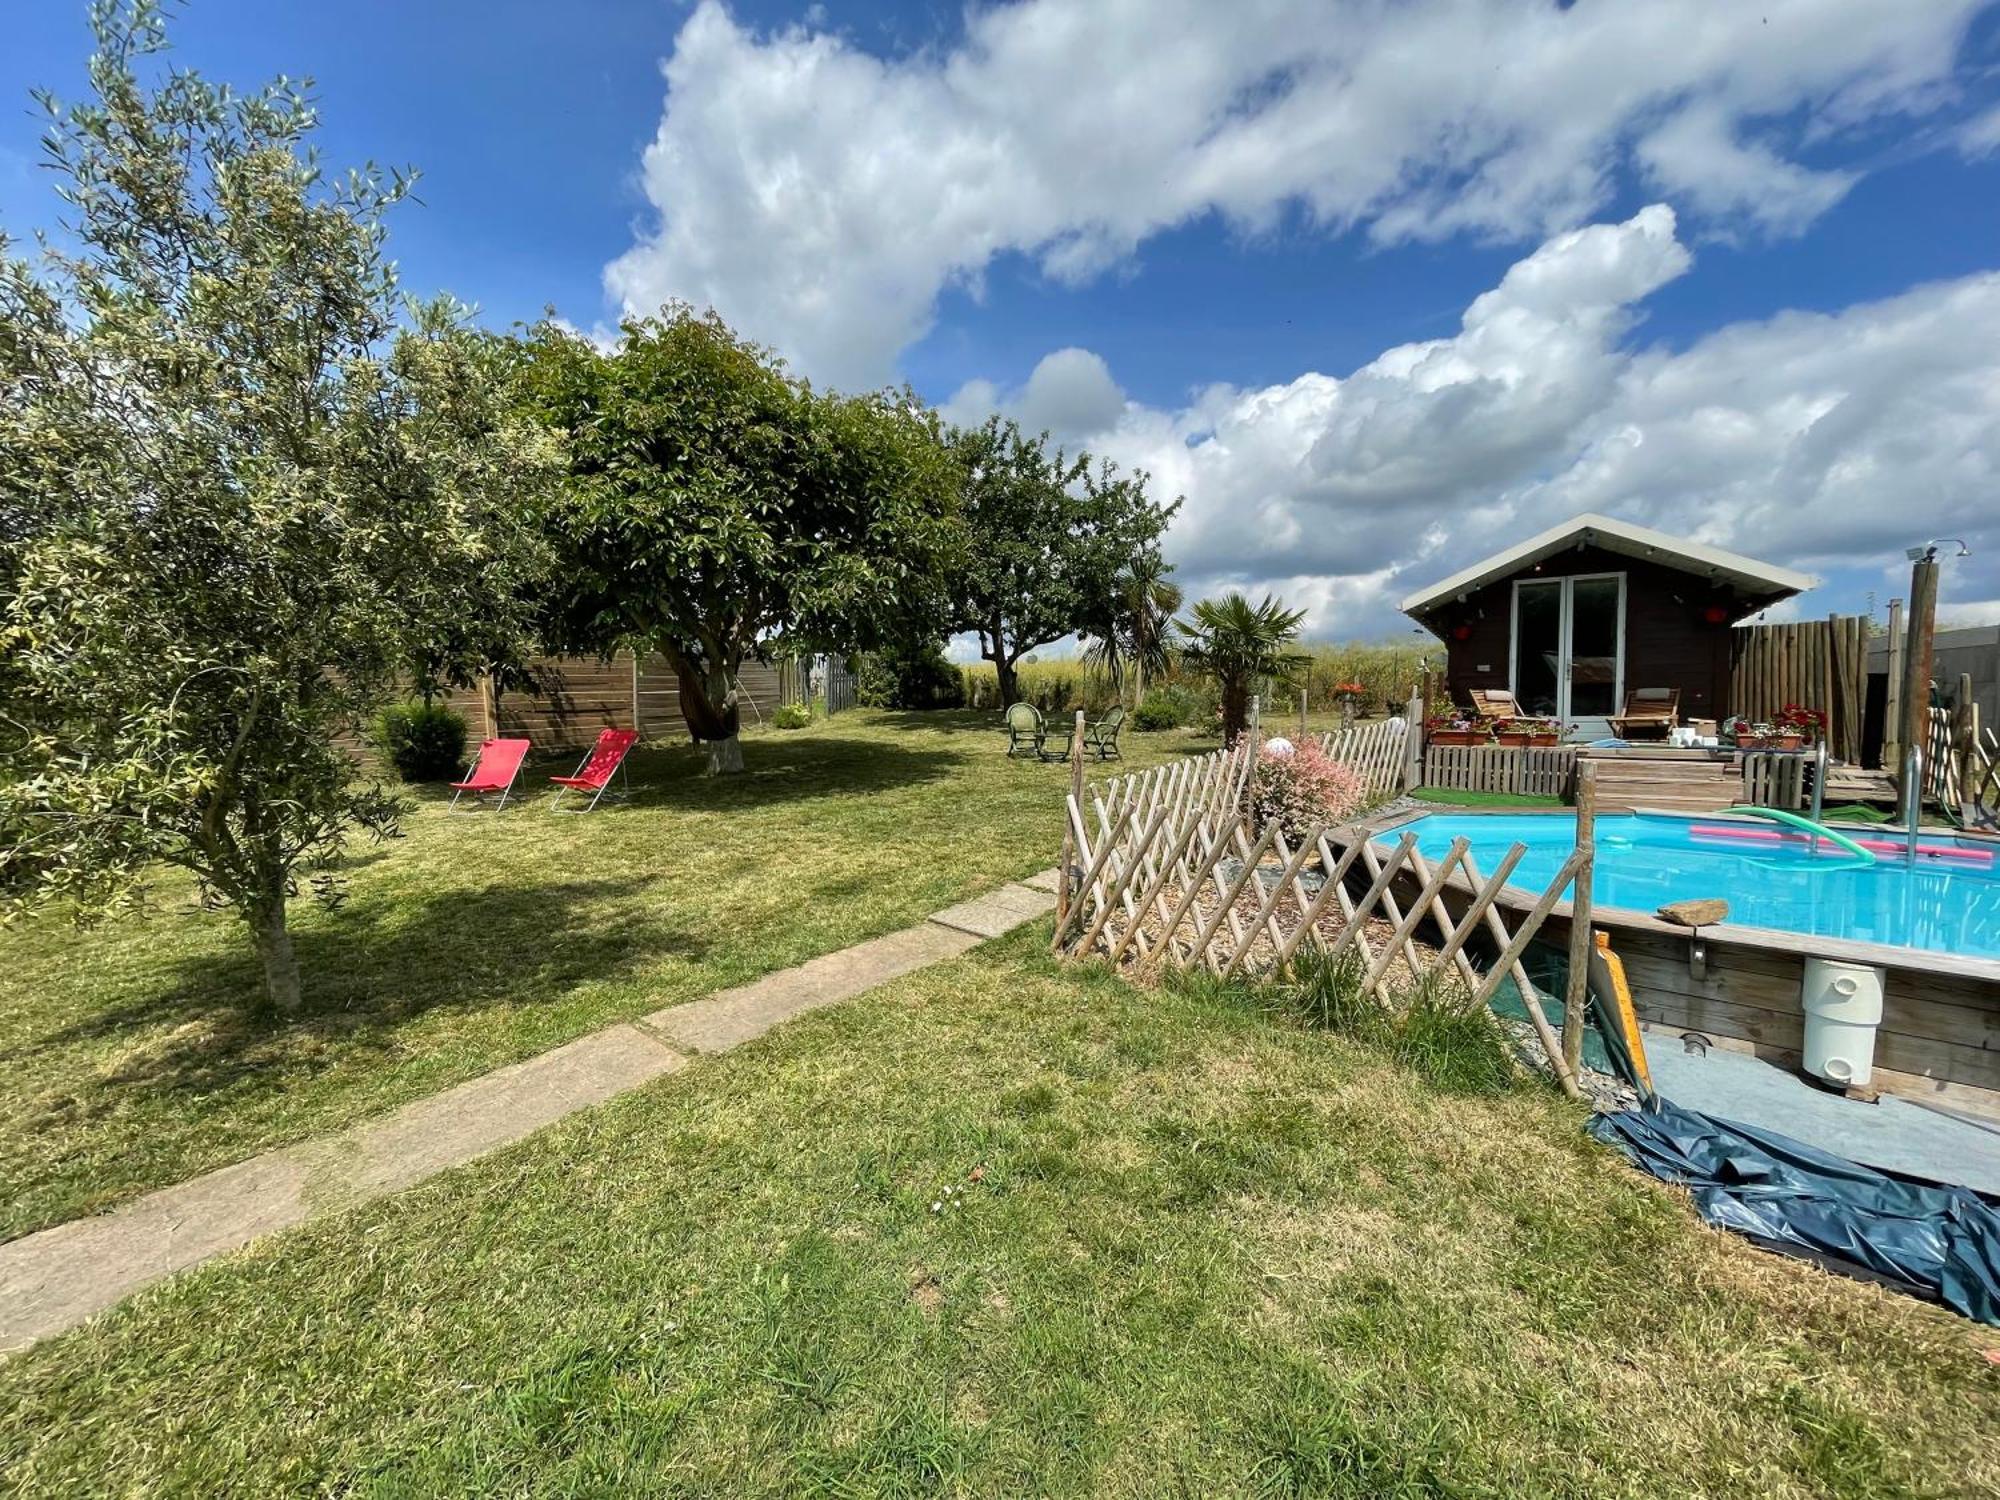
<point>1667,642</point>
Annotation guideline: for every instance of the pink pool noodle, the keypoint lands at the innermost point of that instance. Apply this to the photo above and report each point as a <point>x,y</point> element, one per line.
<point>1875,846</point>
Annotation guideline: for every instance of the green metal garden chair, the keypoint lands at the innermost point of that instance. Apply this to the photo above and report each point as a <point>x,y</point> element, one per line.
<point>1103,735</point>
<point>1025,730</point>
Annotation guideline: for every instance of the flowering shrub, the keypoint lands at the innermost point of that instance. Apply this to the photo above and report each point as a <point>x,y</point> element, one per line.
<point>1303,788</point>
<point>1796,718</point>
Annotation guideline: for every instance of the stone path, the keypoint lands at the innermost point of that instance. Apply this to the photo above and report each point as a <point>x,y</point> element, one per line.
<point>53,1280</point>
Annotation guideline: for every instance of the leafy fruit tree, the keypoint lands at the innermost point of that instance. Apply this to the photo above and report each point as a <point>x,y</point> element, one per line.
<point>1047,537</point>
<point>237,502</point>
<point>716,508</point>
<point>1239,644</point>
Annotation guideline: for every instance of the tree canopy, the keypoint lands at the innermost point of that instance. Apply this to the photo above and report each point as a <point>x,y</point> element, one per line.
<point>239,501</point>
<point>1047,540</point>
<point>716,508</point>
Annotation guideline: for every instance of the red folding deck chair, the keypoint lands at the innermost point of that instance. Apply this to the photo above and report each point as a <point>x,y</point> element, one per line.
<point>594,773</point>
<point>496,770</point>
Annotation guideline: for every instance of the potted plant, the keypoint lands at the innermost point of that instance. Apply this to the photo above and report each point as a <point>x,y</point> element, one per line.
<point>1349,694</point>
<point>1797,726</point>
<point>1453,729</point>
<point>1540,732</point>
<point>1515,733</point>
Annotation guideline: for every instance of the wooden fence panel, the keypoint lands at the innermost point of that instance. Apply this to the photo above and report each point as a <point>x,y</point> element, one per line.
<point>1376,750</point>
<point>1526,770</point>
<point>1774,778</point>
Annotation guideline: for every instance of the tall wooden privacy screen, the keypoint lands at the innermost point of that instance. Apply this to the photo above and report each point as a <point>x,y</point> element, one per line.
<point>1820,664</point>
<point>1165,868</point>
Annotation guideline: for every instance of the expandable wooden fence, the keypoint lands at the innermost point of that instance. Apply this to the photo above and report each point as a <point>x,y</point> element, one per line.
<point>1163,867</point>
<point>1820,664</point>
<point>1379,751</point>
<point>1525,770</point>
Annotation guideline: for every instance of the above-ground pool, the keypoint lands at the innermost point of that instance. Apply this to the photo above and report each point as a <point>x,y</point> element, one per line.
<point>1949,901</point>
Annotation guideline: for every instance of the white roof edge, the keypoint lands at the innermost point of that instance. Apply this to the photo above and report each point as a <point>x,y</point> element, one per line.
<point>1777,579</point>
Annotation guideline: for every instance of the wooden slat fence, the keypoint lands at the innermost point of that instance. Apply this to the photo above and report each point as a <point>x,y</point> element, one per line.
<point>1377,750</point>
<point>839,684</point>
<point>1773,778</point>
<point>1163,868</point>
<point>1525,770</point>
<point>1821,664</point>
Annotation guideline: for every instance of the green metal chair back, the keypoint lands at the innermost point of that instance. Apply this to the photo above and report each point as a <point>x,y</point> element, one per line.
<point>1103,737</point>
<point>1024,729</point>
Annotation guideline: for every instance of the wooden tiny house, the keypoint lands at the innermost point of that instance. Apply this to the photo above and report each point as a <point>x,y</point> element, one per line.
<point>1572,620</point>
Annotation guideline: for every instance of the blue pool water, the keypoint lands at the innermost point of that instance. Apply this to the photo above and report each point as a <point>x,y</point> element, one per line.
<point>1645,860</point>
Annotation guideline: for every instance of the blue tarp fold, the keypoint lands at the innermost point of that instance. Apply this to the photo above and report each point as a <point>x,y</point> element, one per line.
<point>1937,1242</point>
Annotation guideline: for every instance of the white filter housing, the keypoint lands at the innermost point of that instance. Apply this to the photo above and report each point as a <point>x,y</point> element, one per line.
<point>1843,1004</point>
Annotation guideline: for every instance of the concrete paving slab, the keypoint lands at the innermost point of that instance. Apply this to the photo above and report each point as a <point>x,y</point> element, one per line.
<point>997,912</point>
<point>1044,880</point>
<point>57,1278</point>
<point>731,1017</point>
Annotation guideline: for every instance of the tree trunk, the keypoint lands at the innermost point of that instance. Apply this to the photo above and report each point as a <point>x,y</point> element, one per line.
<point>1235,710</point>
<point>708,705</point>
<point>274,949</point>
<point>1138,680</point>
<point>725,757</point>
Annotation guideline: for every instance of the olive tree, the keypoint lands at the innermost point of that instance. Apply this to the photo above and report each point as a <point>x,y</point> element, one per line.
<point>1047,542</point>
<point>715,506</point>
<point>238,500</point>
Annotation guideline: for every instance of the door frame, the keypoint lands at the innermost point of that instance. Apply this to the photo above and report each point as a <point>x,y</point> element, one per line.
<point>1565,622</point>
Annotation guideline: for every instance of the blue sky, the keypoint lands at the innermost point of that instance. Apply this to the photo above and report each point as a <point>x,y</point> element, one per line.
<point>1739,264</point>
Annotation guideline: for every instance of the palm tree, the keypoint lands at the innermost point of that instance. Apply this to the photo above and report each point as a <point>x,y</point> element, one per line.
<point>1238,643</point>
<point>1141,630</point>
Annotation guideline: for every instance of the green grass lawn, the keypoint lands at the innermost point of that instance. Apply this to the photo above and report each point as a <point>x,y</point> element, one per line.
<point>128,1061</point>
<point>1187,1248</point>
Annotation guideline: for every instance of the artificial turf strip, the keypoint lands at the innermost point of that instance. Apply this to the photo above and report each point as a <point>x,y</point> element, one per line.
<point>129,1059</point>
<point>1456,797</point>
<point>1180,1246</point>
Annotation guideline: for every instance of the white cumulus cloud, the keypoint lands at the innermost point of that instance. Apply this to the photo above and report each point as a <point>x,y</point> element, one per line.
<point>1828,441</point>
<point>822,197</point>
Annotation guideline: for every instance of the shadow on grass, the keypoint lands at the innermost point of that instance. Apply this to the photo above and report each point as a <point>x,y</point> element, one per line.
<point>775,768</point>
<point>369,969</point>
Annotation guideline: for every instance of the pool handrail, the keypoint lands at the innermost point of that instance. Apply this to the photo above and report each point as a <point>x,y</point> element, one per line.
<point>1779,815</point>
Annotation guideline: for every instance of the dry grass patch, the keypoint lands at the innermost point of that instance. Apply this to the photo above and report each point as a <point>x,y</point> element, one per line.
<point>1211,1252</point>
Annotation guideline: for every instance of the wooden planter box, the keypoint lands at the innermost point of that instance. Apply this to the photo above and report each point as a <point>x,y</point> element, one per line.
<point>1544,741</point>
<point>1456,737</point>
<point>1513,740</point>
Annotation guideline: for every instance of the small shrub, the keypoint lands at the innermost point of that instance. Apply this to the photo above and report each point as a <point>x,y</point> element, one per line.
<point>792,716</point>
<point>909,677</point>
<point>1302,787</point>
<point>1159,711</point>
<point>423,741</point>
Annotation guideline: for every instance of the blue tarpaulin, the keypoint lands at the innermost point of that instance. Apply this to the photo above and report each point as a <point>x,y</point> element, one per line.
<point>1934,1241</point>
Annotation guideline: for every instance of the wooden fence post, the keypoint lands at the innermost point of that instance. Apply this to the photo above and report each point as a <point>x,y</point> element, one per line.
<point>1965,739</point>
<point>1892,717</point>
<point>1917,658</point>
<point>1063,894</point>
<point>1413,743</point>
<point>1576,996</point>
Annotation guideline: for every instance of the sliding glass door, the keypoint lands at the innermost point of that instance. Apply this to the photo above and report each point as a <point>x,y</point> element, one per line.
<point>1569,646</point>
